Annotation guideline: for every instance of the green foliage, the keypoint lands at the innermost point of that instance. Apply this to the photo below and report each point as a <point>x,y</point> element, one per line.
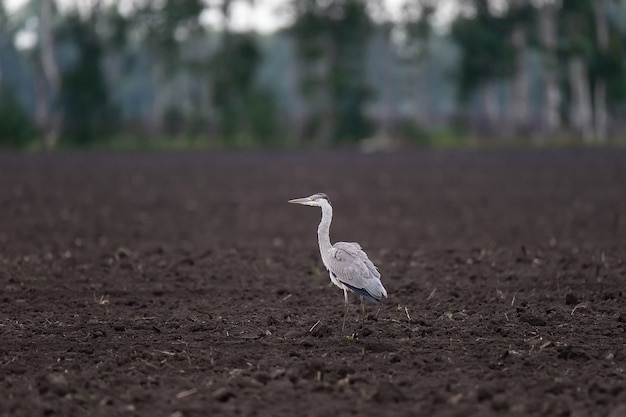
<point>418,27</point>
<point>487,53</point>
<point>334,36</point>
<point>16,127</point>
<point>173,121</point>
<point>452,136</point>
<point>578,36</point>
<point>164,24</point>
<point>349,87</point>
<point>87,112</point>
<point>3,14</point>
<point>201,87</point>
<point>243,107</point>
<point>576,28</point>
<point>187,141</point>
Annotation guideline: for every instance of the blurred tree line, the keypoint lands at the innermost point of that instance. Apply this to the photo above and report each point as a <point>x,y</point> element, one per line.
<point>342,71</point>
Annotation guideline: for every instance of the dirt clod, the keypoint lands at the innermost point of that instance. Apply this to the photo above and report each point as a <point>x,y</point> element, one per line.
<point>388,393</point>
<point>571,299</point>
<point>223,394</point>
<point>533,319</point>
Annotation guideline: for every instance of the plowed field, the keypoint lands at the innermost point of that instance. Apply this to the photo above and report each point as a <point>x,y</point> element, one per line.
<point>182,284</point>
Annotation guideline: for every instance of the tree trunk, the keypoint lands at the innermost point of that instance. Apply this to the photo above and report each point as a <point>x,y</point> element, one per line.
<point>385,103</point>
<point>328,122</point>
<point>2,43</point>
<point>385,113</point>
<point>158,101</point>
<point>201,94</point>
<point>223,109</point>
<point>601,116</point>
<point>552,93</point>
<point>301,108</point>
<point>47,115</point>
<point>520,107</point>
<point>424,95</point>
<point>581,117</point>
<point>492,109</point>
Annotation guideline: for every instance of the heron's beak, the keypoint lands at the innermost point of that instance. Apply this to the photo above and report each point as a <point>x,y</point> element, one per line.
<point>305,201</point>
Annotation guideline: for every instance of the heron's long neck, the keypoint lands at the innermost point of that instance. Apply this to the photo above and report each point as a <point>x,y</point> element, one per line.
<point>323,230</point>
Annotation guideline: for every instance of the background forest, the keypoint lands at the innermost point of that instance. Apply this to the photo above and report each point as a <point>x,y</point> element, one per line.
<point>158,73</point>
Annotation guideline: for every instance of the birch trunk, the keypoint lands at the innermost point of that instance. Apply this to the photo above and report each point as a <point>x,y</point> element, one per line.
<point>158,101</point>
<point>201,93</point>
<point>492,116</point>
<point>424,95</point>
<point>581,117</point>
<point>47,115</point>
<point>301,108</point>
<point>552,97</point>
<point>601,116</point>
<point>328,122</point>
<point>2,43</point>
<point>492,109</point>
<point>385,103</point>
<point>3,22</point>
<point>520,107</point>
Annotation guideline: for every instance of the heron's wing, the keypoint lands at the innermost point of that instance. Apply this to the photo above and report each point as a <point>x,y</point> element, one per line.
<point>350,265</point>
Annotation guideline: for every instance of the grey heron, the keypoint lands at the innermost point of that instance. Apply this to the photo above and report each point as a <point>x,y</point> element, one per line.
<point>349,267</point>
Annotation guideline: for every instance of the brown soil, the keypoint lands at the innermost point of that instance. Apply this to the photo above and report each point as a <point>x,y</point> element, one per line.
<point>184,285</point>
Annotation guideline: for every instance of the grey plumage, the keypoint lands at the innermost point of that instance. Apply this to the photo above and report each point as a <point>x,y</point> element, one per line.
<point>354,269</point>
<point>349,267</point>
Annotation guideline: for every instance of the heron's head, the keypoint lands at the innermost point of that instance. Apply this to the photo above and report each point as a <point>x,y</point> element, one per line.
<point>315,200</point>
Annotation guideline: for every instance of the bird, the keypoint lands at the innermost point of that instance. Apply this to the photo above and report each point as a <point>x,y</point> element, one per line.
<point>348,265</point>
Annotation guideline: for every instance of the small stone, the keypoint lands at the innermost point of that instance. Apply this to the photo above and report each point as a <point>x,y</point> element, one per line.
<point>223,394</point>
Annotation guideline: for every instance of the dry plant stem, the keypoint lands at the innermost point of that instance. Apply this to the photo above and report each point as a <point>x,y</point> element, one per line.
<point>186,393</point>
<point>314,326</point>
<point>432,293</point>
<point>581,305</point>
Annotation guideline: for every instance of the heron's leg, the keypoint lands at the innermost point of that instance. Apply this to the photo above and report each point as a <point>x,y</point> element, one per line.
<point>362,312</point>
<point>345,296</point>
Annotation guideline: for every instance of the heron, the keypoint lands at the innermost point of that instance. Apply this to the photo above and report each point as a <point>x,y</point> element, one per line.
<point>349,267</point>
